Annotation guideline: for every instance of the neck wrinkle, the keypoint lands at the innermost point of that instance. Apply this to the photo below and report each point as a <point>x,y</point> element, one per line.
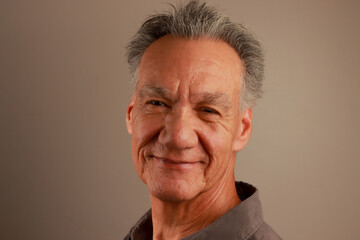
<point>178,220</point>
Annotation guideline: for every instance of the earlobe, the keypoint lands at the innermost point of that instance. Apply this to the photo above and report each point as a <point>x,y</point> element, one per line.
<point>244,129</point>
<point>129,118</point>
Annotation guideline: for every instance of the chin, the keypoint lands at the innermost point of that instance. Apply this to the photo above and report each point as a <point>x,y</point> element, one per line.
<point>174,192</point>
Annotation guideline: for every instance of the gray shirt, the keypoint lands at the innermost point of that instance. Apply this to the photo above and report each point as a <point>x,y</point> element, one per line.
<point>244,221</point>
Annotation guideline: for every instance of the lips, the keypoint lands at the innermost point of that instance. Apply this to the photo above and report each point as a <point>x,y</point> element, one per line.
<point>176,164</point>
<point>170,161</point>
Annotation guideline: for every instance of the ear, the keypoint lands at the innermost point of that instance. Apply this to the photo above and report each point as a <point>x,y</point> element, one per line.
<point>129,117</point>
<point>243,130</point>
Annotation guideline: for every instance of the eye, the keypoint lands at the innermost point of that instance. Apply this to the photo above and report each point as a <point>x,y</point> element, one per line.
<point>157,103</point>
<point>209,110</point>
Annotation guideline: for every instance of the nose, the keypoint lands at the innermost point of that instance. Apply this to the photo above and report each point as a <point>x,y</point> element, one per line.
<point>179,132</point>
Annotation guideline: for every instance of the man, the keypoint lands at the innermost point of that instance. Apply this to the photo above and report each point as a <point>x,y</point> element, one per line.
<point>197,76</point>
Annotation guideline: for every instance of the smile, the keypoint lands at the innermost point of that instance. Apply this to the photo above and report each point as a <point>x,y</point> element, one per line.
<point>175,164</point>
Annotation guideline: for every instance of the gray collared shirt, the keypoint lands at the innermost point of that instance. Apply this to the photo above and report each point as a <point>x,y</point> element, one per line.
<point>244,222</point>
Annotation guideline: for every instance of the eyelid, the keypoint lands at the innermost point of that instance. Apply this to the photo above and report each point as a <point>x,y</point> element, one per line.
<point>152,102</point>
<point>211,110</point>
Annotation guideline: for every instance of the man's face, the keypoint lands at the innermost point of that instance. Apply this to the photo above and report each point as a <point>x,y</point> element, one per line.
<point>184,117</point>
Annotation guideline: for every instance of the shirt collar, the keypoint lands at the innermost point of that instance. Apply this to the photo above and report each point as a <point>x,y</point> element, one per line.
<point>240,222</point>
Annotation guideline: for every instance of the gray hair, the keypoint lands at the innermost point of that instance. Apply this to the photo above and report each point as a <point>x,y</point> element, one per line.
<point>194,20</point>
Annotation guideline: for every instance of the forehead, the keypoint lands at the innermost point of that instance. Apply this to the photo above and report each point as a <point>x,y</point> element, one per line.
<point>196,65</point>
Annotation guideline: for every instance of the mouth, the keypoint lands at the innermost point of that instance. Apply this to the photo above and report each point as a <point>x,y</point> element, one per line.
<point>175,164</point>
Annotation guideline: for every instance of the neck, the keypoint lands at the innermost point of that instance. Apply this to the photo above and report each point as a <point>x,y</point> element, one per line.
<point>176,220</point>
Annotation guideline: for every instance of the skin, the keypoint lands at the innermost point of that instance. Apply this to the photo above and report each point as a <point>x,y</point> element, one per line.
<point>186,128</point>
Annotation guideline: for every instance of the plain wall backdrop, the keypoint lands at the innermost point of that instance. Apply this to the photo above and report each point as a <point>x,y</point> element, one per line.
<point>65,165</point>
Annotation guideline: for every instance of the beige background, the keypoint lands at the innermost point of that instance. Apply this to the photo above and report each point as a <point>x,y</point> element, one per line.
<point>66,170</point>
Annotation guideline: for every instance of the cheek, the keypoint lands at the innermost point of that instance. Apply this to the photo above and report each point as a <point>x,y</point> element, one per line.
<point>217,141</point>
<point>218,145</point>
<point>145,130</point>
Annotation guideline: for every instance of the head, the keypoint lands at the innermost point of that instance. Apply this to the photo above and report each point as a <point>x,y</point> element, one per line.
<point>195,20</point>
<point>188,115</point>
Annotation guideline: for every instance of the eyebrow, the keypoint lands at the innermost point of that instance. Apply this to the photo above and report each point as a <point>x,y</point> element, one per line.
<point>217,99</point>
<point>152,91</point>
